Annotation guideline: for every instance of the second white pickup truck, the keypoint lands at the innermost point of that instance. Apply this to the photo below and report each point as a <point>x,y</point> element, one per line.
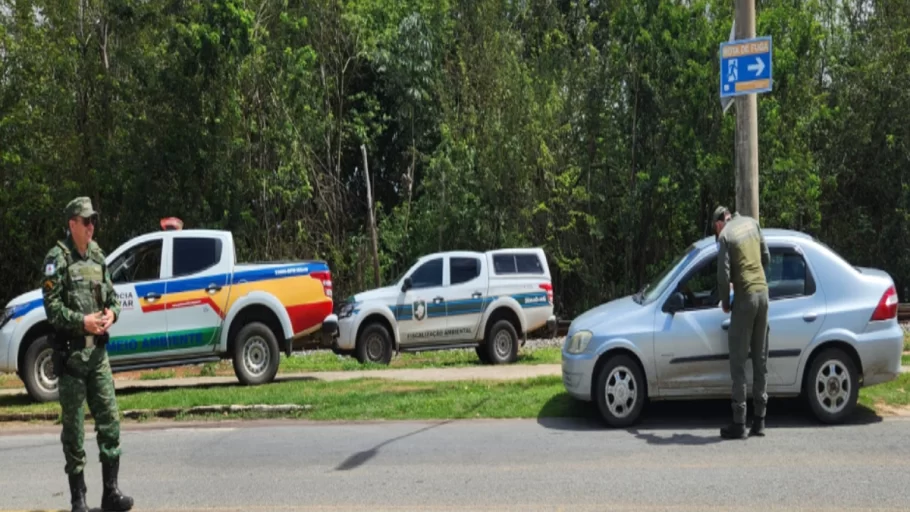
<point>452,300</point>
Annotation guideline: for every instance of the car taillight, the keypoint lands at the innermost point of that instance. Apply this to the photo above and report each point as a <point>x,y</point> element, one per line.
<point>887,306</point>
<point>326,278</point>
<point>549,288</point>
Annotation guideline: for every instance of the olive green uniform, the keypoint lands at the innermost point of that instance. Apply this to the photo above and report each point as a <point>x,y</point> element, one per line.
<point>76,285</point>
<point>86,371</point>
<point>742,258</point>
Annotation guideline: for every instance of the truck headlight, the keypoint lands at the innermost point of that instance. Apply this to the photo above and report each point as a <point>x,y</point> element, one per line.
<point>347,309</point>
<point>5,316</point>
<point>579,342</point>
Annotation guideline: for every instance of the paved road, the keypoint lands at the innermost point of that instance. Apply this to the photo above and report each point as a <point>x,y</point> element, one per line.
<point>667,463</point>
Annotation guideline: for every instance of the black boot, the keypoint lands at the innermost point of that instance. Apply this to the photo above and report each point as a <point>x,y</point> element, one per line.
<point>77,492</point>
<point>112,499</point>
<point>758,427</point>
<point>733,431</point>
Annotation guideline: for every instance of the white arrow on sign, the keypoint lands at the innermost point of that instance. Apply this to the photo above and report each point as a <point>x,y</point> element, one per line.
<point>758,67</point>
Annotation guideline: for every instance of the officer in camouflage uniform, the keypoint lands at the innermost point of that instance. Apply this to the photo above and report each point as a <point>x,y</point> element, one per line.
<point>742,257</point>
<point>81,305</point>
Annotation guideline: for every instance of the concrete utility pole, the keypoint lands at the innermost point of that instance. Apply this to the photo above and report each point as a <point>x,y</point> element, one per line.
<point>746,125</point>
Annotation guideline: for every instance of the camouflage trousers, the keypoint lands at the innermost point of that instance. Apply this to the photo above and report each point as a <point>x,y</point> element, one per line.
<point>88,378</point>
<point>748,338</point>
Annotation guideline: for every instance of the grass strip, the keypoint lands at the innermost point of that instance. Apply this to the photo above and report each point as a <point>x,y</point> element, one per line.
<point>359,399</point>
<point>895,393</point>
<point>324,360</point>
<point>377,399</point>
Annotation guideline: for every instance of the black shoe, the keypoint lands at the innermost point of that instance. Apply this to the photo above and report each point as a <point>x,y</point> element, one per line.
<point>77,492</point>
<point>758,427</point>
<point>733,431</point>
<point>112,500</point>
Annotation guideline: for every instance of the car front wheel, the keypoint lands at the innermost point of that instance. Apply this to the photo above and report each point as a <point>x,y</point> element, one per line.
<point>620,391</point>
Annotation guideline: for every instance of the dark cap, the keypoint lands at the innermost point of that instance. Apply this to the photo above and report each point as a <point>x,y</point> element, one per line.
<point>720,213</point>
<point>82,207</point>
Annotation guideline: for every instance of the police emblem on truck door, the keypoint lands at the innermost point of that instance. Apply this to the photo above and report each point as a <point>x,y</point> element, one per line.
<point>420,310</point>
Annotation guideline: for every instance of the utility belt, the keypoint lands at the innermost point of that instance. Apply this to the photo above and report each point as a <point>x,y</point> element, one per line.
<point>90,341</point>
<point>65,343</point>
<point>68,342</point>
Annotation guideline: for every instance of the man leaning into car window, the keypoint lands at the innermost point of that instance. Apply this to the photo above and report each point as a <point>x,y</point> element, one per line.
<point>742,256</point>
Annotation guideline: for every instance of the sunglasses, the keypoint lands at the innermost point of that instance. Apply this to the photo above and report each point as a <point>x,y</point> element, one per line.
<point>88,221</point>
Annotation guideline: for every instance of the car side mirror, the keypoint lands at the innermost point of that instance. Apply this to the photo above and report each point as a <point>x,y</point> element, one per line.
<point>406,285</point>
<point>676,302</point>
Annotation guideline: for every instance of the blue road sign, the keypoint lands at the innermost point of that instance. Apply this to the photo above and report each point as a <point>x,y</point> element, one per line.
<point>745,67</point>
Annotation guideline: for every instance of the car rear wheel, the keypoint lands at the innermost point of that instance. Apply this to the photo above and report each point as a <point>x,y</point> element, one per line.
<point>831,386</point>
<point>620,391</point>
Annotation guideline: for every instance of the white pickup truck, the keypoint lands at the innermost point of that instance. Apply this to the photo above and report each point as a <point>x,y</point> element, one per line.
<point>185,300</point>
<point>452,300</point>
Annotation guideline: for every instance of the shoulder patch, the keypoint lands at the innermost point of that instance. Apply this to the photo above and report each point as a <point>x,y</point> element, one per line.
<point>54,260</point>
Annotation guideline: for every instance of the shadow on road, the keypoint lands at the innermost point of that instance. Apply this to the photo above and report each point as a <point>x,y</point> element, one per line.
<point>562,412</point>
<point>361,458</point>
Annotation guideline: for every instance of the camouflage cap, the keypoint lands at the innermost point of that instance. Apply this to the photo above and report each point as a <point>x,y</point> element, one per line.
<point>719,213</point>
<point>81,206</point>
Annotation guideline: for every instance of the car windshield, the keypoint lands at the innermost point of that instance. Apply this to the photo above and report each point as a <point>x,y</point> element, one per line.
<point>654,288</point>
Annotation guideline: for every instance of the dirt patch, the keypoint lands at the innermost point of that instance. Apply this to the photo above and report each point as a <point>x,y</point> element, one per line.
<point>221,369</point>
<point>10,381</point>
<point>891,410</point>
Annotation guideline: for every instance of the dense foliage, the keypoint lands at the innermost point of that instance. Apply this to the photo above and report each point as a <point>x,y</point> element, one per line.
<point>591,128</point>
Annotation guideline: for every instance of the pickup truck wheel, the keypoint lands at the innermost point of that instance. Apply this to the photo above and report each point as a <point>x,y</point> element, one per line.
<point>374,345</point>
<point>256,354</point>
<point>502,343</point>
<point>38,371</point>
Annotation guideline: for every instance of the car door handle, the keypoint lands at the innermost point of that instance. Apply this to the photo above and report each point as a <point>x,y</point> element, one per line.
<point>726,325</point>
<point>476,295</point>
<point>438,300</point>
<point>213,288</point>
<point>152,296</point>
<point>810,317</point>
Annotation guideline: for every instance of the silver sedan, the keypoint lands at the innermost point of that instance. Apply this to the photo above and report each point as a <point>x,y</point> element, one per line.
<point>833,329</point>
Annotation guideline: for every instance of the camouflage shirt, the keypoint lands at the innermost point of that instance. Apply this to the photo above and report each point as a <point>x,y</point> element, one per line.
<point>72,291</point>
<point>742,257</point>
